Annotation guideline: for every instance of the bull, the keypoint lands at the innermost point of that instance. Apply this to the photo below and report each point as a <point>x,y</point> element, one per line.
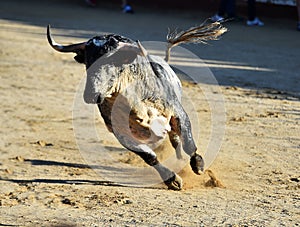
<point>139,95</point>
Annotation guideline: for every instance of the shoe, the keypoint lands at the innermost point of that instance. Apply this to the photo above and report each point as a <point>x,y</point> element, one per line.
<point>91,2</point>
<point>216,18</point>
<point>255,22</point>
<point>127,9</point>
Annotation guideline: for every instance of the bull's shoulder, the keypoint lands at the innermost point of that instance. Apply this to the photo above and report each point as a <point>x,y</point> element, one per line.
<point>164,72</point>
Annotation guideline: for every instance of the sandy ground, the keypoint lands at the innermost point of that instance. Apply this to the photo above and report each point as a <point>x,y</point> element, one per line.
<point>45,179</point>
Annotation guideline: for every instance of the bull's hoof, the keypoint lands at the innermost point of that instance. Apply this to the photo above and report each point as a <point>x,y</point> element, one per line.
<point>197,163</point>
<point>174,183</point>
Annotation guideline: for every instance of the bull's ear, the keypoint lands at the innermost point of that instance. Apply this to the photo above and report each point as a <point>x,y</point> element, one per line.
<point>80,56</point>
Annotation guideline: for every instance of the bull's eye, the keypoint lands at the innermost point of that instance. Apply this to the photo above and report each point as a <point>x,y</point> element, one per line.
<point>99,42</point>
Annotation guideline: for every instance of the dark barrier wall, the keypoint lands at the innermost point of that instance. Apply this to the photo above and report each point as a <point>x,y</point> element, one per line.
<point>264,9</point>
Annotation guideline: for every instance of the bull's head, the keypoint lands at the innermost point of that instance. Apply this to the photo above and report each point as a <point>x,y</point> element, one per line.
<point>98,46</point>
<point>113,50</point>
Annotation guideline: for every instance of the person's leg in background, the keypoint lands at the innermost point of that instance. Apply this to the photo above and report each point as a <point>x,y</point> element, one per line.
<point>252,18</point>
<point>226,10</point>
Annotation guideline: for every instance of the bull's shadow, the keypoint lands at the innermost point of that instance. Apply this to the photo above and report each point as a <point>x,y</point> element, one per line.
<point>61,181</point>
<point>41,162</point>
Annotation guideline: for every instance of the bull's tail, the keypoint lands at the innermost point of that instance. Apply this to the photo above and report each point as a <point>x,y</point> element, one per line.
<point>198,34</point>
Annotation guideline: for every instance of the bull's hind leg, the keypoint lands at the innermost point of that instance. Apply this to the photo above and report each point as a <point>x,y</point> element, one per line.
<point>181,125</point>
<point>170,178</point>
<point>176,143</point>
<point>196,161</point>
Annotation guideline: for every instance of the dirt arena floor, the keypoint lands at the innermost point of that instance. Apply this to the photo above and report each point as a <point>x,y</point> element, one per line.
<point>45,179</point>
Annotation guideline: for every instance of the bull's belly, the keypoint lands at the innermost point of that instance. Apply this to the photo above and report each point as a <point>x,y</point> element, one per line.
<point>144,123</point>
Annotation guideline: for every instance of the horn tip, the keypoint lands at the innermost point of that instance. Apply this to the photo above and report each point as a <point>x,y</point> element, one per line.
<point>48,29</point>
<point>49,35</point>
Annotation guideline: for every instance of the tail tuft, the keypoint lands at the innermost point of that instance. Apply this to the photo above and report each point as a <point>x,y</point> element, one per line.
<point>198,34</point>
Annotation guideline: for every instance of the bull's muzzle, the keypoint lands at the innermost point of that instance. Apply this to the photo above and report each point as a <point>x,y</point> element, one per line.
<point>91,98</point>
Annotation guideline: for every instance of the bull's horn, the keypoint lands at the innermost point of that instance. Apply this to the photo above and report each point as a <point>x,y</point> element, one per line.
<point>67,48</point>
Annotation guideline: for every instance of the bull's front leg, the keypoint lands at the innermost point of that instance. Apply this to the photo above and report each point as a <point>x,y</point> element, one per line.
<point>171,179</point>
<point>181,125</point>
